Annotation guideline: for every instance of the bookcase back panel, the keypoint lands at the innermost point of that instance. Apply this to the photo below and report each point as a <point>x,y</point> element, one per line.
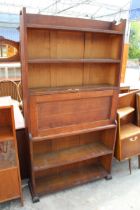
<point>102,46</point>
<point>44,20</point>
<point>58,144</point>
<point>100,74</point>
<point>63,75</point>
<point>68,168</point>
<point>66,44</point>
<point>72,44</point>
<point>63,110</point>
<point>39,75</point>
<point>38,43</point>
<point>66,75</point>
<point>73,174</point>
<point>55,44</point>
<point>5,118</point>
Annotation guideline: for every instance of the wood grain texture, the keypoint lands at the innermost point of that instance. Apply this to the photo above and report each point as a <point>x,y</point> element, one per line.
<point>125,111</point>
<point>128,135</point>
<point>129,130</point>
<point>9,188</point>
<point>10,182</point>
<point>68,156</point>
<point>72,60</point>
<point>73,70</point>
<point>70,178</point>
<point>66,110</point>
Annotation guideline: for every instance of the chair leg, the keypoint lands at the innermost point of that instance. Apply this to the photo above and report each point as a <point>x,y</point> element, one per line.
<point>129,160</point>
<point>138,161</point>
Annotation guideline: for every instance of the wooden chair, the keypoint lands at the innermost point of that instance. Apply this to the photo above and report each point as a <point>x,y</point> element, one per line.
<point>10,88</point>
<point>19,86</point>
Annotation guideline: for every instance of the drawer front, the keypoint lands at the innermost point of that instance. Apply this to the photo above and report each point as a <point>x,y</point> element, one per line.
<point>9,184</point>
<point>130,146</point>
<point>63,110</point>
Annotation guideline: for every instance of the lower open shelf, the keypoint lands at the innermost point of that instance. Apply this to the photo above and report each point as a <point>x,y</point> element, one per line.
<point>71,155</point>
<point>69,178</point>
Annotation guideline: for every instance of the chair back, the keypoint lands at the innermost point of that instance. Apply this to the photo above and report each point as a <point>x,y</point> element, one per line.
<point>9,88</point>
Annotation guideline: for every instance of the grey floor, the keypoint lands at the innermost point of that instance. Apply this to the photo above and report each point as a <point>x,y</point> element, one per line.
<point>120,193</point>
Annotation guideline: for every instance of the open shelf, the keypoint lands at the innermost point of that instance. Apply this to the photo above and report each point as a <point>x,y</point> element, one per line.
<point>6,134</point>
<point>69,178</point>
<point>55,27</point>
<point>129,130</point>
<point>68,156</point>
<point>72,60</point>
<point>69,89</point>
<point>125,111</point>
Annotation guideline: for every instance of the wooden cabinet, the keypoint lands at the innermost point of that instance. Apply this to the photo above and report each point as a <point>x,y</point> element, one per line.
<point>70,75</point>
<point>128,135</point>
<point>10,183</point>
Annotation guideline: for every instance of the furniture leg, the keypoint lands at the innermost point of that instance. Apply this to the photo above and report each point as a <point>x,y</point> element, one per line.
<point>129,160</point>
<point>138,161</point>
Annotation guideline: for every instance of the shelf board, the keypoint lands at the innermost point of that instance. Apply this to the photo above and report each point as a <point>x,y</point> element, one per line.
<point>125,111</point>
<point>68,156</point>
<point>74,130</point>
<point>70,89</point>
<point>129,130</point>
<point>54,27</point>
<point>69,179</point>
<point>71,60</point>
<point>6,134</point>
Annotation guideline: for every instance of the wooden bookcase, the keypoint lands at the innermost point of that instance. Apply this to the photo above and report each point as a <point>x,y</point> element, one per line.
<point>70,75</point>
<point>128,135</point>
<point>10,182</point>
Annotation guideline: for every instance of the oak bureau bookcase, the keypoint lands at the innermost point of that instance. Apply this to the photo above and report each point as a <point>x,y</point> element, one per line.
<point>70,75</point>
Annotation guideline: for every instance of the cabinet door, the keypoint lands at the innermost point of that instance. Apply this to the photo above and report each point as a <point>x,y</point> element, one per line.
<point>9,184</point>
<point>55,111</point>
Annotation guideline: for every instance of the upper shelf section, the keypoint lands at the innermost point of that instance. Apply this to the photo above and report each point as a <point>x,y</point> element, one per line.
<point>69,46</point>
<point>58,37</point>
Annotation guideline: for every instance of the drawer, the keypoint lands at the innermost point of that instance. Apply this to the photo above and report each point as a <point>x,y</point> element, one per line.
<point>130,146</point>
<point>55,111</point>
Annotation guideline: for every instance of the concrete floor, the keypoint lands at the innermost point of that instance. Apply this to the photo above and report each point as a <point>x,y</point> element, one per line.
<point>120,193</point>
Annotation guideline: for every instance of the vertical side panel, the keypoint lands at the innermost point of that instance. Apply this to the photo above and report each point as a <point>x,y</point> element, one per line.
<point>23,55</point>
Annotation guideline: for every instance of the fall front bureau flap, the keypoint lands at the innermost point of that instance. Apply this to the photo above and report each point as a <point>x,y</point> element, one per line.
<point>80,110</point>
